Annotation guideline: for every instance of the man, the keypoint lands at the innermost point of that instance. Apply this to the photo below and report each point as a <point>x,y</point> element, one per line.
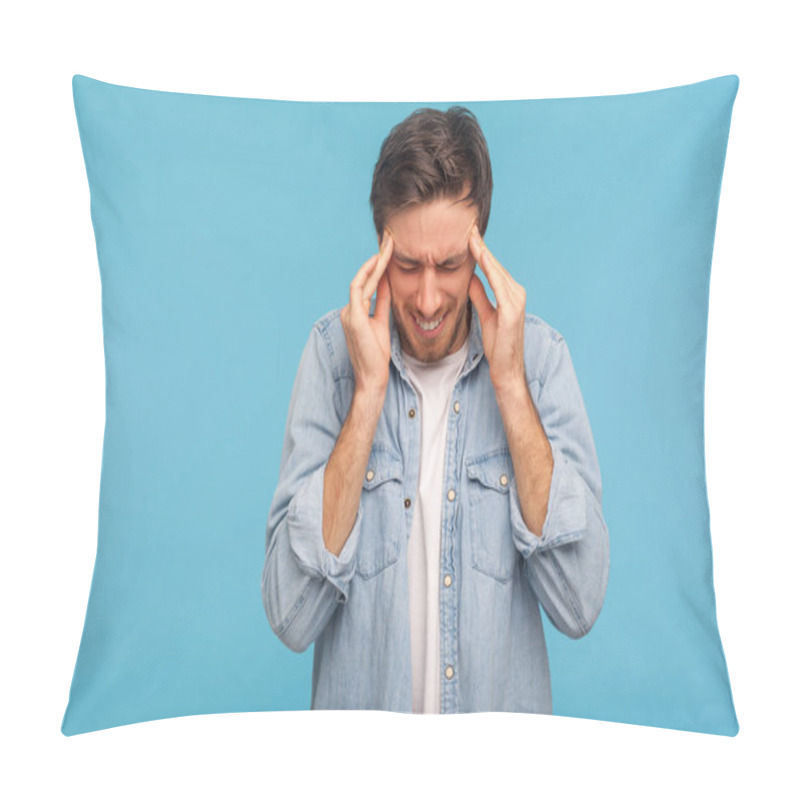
<point>439,481</point>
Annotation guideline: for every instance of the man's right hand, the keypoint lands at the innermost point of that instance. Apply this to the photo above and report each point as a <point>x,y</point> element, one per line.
<point>368,338</point>
<point>369,345</point>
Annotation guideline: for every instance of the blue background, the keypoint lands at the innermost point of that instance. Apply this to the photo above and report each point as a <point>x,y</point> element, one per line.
<point>225,227</point>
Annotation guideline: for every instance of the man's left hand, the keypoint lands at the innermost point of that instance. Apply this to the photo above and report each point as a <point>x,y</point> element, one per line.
<point>502,328</point>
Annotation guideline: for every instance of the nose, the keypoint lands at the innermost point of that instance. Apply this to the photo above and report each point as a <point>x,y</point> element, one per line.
<point>428,295</point>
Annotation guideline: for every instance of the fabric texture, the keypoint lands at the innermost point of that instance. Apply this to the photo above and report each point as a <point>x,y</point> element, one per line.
<point>226,227</point>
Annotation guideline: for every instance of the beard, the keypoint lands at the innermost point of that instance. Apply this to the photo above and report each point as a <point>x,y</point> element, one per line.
<point>431,350</point>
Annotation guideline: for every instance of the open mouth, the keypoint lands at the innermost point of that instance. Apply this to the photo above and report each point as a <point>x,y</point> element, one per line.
<point>429,328</point>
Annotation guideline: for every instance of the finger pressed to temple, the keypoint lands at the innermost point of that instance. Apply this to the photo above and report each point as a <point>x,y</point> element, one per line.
<point>377,272</point>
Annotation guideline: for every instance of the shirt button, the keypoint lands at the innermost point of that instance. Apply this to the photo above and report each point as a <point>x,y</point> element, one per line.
<point>447,580</point>
<point>451,495</point>
<point>407,502</point>
<point>412,413</point>
<point>370,475</point>
<point>449,672</point>
<point>457,407</point>
<point>503,480</point>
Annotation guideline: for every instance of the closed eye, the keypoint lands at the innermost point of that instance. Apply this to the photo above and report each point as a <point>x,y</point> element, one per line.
<point>447,266</point>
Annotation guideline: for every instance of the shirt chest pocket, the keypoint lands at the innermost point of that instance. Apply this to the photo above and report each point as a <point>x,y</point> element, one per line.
<point>492,548</point>
<point>382,523</point>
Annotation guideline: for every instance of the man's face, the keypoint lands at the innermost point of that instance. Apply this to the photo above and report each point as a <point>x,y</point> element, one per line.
<point>429,275</point>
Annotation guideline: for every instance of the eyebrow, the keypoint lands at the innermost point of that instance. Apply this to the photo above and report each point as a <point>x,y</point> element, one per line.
<point>457,259</point>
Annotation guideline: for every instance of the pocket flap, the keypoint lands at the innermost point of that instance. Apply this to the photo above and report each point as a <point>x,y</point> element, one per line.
<point>383,465</point>
<point>493,470</point>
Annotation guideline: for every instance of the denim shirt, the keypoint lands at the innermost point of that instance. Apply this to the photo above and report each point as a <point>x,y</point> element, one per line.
<point>495,574</point>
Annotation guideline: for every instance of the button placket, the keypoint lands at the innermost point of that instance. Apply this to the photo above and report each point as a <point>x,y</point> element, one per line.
<point>450,555</point>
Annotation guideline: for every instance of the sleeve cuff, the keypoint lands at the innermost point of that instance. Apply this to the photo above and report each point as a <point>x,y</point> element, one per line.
<point>304,524</point>
<point>566,512</point>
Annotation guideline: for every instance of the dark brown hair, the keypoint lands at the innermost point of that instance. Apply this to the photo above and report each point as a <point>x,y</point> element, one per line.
<point>430,155</point>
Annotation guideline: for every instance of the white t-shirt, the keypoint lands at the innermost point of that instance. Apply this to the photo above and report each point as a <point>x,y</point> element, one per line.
<point>434,384</point>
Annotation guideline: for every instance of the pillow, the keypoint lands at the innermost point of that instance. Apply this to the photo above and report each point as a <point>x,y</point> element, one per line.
<point>225,227</point>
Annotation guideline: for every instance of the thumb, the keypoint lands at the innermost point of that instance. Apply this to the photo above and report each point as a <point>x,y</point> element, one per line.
<point>480,299</point>
<point>383,299</point>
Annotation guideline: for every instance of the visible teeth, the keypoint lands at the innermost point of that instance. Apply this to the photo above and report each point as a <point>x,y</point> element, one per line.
<point>429,326</point>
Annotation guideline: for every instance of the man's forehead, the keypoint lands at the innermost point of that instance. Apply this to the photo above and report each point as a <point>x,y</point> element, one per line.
<point>441,245</point>
<point>443,211</point>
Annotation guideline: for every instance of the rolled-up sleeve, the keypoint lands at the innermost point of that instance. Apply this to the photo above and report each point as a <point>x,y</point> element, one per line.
<point>302,582</point>
<point>567,566</point>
